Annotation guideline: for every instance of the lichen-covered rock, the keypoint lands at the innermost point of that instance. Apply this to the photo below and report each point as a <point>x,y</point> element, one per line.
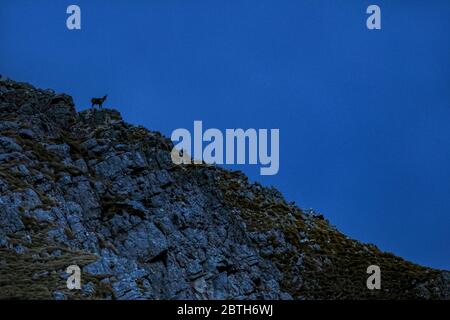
<point>91,190</point>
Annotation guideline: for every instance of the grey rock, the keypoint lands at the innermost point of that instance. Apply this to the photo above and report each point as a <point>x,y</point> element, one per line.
<point>63,150</point>
<point>9,145</point>
<point>27,134</point>
<point>88,289</point>
<point>92,189</point>
<point>58,295</point>
<point>145,242</point>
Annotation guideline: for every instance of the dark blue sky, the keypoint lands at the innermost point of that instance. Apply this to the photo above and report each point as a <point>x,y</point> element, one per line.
<point>364,116</point>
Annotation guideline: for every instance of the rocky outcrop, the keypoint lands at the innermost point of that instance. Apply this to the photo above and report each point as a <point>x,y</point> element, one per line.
<point>89,189</point>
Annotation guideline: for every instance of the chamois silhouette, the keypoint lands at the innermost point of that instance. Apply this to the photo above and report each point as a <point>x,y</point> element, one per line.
<point>98,101</point>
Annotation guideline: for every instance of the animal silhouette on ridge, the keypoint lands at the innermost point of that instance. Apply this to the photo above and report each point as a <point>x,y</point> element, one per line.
<point>98,101</point>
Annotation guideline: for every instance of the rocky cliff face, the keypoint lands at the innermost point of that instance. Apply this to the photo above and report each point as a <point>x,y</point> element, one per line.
<point>89,189</point>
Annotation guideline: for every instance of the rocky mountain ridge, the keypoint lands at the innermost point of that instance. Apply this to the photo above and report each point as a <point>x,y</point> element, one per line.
<point>89,189</point>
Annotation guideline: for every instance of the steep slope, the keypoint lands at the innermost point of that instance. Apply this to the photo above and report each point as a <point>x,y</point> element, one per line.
<point>89,189</point>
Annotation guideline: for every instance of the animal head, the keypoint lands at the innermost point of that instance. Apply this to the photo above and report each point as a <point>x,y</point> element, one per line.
<point>104,97</point>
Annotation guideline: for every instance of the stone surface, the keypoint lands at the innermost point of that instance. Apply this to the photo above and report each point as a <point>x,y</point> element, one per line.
<point>89,189</point>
